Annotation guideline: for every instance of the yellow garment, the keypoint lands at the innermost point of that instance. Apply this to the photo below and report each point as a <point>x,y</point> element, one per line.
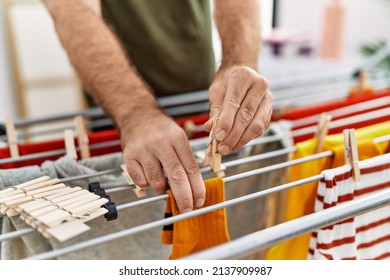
<point>200,232</point>
<point>367,89</point>
<point>300,200</point>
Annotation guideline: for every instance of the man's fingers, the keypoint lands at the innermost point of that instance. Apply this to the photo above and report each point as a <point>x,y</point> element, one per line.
<point>177,179</point>
<point>208,125</point>
<point>238,84</point>
<point>215,110</point>
<point>162,147</point>
<point>244,117</point>
<point>259,124</point>
<point>186,157</point>
<point>153,173</point>
<point>136,172</point>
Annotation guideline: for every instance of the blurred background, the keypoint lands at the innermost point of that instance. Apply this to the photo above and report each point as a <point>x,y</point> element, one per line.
<point>36,78</point>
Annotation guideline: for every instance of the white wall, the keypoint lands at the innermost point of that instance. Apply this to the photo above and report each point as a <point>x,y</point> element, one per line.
<point>366,20</point>
<point>7,102</point>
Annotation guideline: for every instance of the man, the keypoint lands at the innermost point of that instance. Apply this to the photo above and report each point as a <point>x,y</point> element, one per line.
<point>154,146</point>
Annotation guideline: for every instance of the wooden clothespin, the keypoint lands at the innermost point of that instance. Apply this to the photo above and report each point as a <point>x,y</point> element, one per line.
<point>82,137</point>
<point>9,191</point>
<point>362,81</point>
<point>351,152</point>
<point>362,87</point>
<point>212,156</point>
<point>11,199</point>
<point>53,209</point>
<point>322,131</point>
<point>139,192</point>
<point>29,196</point>
<point>279,112</point>
<point>70,146</point>
<point>11,137</point>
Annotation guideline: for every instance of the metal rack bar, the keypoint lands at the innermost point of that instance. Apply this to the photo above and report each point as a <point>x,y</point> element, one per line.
<point>167,221</point>
<point>226,180</point>
<point>251,243</point>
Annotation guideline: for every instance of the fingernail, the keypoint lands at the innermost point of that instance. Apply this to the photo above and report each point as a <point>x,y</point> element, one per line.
<point>220,135</point>
<point>224,149</point>
<point>186,210</point>
<point>199,202</point>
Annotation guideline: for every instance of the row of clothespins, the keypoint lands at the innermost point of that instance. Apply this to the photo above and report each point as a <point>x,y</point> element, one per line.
<point>82,138</point>
<point>54,209</point>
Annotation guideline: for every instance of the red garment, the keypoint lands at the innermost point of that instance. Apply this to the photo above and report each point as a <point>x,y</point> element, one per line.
<point>340,129</point>
<point>295,127</point>
<point>323,107</point>
<point>39,147</point>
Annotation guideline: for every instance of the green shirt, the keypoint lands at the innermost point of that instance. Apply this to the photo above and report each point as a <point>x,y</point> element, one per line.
<point>168,41</point>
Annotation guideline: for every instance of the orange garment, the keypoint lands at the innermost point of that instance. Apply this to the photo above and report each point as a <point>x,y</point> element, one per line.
<point>367,89</point>
<point>300,200</point>
<point>201,232</point>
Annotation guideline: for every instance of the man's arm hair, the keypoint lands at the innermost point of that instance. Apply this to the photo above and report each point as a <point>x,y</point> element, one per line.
<point>238,24</point>
<point>153,144</point>
<point>239,95</point>
<point>100,61</point>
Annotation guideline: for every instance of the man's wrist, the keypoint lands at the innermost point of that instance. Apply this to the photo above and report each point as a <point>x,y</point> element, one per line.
<point>237,63</point>
<point>131,110</point>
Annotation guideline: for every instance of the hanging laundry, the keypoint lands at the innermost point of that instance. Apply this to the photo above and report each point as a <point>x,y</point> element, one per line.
<point>145,245</point>
<point>39,147</point>
<point>65,167</point>
<point>323,107</point>
<point>300,200</point>
<point>263,212</point>
<point>200,232</point>
<point>366,236</point>
<point>345,112</point>
<point>97,137</point>
<point>302,117</point>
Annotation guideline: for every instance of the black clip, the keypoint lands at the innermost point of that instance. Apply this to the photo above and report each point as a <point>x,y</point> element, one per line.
<point>112,213</point>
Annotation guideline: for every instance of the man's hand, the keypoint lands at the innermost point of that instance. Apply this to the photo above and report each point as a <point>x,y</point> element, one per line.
<point>157,145</point>
<point>240,96</point>
<point>152,143</point>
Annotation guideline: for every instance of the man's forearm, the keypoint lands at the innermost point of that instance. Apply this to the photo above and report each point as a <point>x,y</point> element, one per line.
<point>100,61</point>
<point>239,95</point>
<point>238,24</point>
<point>155,148</point>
